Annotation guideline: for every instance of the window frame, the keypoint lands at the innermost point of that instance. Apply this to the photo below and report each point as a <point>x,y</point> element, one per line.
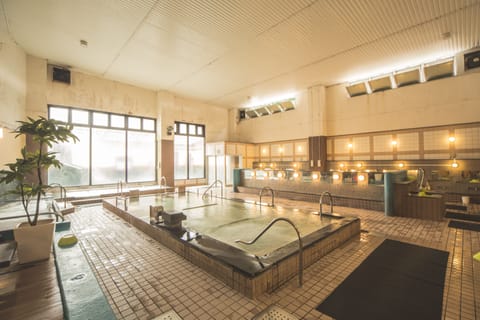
<point>198,133</point>
<point>90,125</point>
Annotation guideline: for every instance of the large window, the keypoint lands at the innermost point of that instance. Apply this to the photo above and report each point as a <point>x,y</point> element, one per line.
<point>112,147</point>
<point>189,149</point>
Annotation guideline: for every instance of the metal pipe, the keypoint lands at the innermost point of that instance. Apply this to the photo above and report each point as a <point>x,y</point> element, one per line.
<point>300,244</point>
<point>271,192</point>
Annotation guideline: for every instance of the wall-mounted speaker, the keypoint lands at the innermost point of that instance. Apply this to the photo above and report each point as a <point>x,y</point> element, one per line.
<point>61,75</point>
<point>472,60</point>
<point>241,114</point>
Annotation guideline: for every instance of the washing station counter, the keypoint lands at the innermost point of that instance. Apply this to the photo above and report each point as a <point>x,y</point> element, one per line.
<point>350,189</point>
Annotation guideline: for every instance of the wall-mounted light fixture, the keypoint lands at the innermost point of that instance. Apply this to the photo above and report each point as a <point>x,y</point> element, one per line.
<point>279,175</point>
<point>170,130</point>
<point>454,163</point>
<point>359,165</point>
<point>401,165</point>
<point>295,175</point>
<point>394,143</point>
<point>314,176</point>
<point>451,139</point>
<point>350,145</point>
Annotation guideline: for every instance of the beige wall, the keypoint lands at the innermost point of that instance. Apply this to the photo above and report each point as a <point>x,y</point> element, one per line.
<point>175,108</point>
<point>439,102</point>
<point>12,96</point>
<point>308,119</point>
<point>85,91</point>
<point>332,112</point>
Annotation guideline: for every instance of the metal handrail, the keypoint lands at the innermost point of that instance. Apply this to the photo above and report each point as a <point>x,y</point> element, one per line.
<point>321,202</point>
<point>204,195</point>
<point>271,191</point>
<point>300,244</point>
<point>63,193</point>
<point>120,184</point>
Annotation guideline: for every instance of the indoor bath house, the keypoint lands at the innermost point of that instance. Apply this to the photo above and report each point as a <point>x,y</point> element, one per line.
<point>226,160</point>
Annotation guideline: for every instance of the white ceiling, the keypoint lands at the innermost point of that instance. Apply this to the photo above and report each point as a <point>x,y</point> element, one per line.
<point>224,51</point>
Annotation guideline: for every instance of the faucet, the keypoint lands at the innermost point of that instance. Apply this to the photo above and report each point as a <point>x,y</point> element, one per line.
<point>155,213</point>
<point>271,192</point>
<point>321,202</point>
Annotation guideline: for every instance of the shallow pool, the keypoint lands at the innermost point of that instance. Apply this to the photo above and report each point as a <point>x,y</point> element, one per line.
<point>229,220</point>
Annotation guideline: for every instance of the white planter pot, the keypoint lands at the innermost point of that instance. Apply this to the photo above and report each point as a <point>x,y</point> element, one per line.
<point>34,243</point>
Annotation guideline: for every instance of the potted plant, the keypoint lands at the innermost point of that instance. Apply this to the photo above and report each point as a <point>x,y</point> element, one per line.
<point>26,175</point>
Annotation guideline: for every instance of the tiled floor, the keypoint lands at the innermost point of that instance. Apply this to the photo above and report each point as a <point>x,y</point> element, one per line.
<point>142,279</point>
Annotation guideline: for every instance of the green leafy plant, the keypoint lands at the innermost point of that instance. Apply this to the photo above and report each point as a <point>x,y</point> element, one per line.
<point>26,172</point>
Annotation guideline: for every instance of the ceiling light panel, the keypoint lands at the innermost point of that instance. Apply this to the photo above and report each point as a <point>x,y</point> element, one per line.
<point>406,78</point>
<point>357,89</point>
<point>439,70</point>
<point>380,84</point>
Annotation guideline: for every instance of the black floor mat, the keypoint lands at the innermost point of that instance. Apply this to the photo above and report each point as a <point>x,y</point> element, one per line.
<point>464,225</point>
<point>396,281</point>
<point>463,216</point>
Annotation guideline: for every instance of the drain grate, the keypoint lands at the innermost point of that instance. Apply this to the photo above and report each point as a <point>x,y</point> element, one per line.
<point>170,315</point>
<point>274,313</point>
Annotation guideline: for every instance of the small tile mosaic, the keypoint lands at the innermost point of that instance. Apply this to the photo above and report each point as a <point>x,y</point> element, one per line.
<point>143,279</point>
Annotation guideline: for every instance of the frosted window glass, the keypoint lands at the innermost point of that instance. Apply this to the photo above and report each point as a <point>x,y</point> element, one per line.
<point>141,156</point>
<point>108,156</point>
<point>60,114</point>
<point>80,116</point>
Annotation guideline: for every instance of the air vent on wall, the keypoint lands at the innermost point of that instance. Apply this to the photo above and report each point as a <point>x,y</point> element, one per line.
<point>472,60</point>
<point>61,75</point>
<point>439,70</point>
